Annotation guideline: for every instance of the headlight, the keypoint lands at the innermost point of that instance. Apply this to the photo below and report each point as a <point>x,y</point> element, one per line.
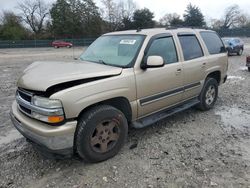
<point>46,103</point>
<point>49,110</point>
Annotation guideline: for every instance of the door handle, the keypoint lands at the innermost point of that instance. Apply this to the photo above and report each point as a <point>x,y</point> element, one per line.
<point>204,65</point>
<point>178,71</point>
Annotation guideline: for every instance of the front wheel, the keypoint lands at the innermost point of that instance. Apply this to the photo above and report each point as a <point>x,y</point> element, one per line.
<point>208,95</point>
<point>240,52</point>
<point>100,134</point>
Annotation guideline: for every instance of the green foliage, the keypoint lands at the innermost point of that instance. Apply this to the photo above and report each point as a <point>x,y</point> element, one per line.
<point>61,17</point>
<point>176,22</point>
<point>75,18</point>
<point>12,28</point>
<point>193,16</point>
<point>143,18</point>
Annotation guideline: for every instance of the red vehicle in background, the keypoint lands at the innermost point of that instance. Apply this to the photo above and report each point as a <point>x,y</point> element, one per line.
<point>248,63</point>
<point>60,43</point>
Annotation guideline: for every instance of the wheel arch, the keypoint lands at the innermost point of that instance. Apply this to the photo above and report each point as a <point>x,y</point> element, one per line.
<point>121,103</point>
<point>216,75</point>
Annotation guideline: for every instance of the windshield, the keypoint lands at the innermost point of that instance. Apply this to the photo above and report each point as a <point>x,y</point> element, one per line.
<point>114,50</point>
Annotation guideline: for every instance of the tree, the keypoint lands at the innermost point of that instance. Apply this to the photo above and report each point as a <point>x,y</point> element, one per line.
<point>127,11</point>
<point>90,18</point>
<point>75,18</point>
<point>143,18</point>
<point>233,17</point>
<point>216,24</point>
<point>171,20</point>
<point>193,16</point>
<point>118,15</point>
<point>61,17</point>
<point>12,28</point>
<point>34,14</point>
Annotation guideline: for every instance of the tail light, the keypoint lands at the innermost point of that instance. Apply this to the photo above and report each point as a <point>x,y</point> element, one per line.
<point>248,58</point>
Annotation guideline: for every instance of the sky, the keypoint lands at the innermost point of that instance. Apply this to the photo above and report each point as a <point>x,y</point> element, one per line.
<point>210,8</point>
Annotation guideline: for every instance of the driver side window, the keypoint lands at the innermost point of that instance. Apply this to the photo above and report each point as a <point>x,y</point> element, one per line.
<point>165,48</point>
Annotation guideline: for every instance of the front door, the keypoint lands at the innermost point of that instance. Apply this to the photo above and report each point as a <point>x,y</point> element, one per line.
<point>159,88</point>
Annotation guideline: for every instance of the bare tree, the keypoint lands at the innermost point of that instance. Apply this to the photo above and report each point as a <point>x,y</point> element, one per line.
<point>168,18</point>
<point>34,14</point>
<point>231,18</point>
<point>114,13</point>
<point>216,23</point>
<point>127,8</point>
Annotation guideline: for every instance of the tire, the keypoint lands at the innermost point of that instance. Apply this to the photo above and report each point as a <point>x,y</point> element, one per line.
<point>56,47</point>
<point>249,69</point>
<point>101,133</point>
<point>68,46</point>
<point>240,52</point>
<point>208,95</point>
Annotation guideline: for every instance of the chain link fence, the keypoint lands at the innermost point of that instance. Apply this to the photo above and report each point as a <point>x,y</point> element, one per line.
<point>42,43</point>
<point>237,32</point>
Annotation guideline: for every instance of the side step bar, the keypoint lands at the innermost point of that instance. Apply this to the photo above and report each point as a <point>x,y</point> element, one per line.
<point>151,119</point>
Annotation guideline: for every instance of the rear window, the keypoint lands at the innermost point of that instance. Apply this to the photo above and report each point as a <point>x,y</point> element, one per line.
<point>236,40</point>
<point>190,46</point>
<point>213,42</point>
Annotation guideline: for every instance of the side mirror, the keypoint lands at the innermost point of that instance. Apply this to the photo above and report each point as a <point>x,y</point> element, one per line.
<point>153,62</point>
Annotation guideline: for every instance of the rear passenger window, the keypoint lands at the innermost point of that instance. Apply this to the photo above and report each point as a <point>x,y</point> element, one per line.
<point>191,47</point>
<point>213,42</point>
<point>165,48</point>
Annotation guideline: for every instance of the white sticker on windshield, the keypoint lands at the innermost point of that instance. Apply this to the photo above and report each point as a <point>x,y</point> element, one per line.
<point>128,41</point>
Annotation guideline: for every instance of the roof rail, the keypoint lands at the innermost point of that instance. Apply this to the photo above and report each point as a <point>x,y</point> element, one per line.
<point>182,26</point>
<point>138,29</point>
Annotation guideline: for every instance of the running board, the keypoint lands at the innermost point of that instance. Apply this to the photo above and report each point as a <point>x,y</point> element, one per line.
<point>151,119</point>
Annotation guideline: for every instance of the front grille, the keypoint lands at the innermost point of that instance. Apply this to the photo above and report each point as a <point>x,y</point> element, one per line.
<point>25,97</point>
<point>26,106</point>
<point>26,110</point>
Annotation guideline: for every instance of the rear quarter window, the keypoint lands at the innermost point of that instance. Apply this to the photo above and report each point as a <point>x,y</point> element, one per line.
<point>213,42</point>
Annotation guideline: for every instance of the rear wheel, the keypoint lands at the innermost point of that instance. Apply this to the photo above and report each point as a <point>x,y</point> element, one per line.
<point>249,69</point>
<point>208,95</point>
<point>100,134</point>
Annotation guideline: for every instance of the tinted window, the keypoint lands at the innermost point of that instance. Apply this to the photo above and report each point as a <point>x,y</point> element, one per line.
<point>191,47</point>
<point>213,42</point>
<point>165,48</point>
<point>236,40</point>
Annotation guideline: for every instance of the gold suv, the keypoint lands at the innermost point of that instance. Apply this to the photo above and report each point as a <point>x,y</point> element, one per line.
<point>129,78</point>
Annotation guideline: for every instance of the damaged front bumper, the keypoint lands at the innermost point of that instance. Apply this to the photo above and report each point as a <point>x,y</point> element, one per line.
<point>49,139</point>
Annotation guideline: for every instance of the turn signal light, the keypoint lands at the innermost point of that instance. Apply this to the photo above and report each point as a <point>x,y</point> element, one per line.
<point>55,119</point>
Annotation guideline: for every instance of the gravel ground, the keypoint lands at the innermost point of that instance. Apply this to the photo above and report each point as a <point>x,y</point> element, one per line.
<point>189,149</point>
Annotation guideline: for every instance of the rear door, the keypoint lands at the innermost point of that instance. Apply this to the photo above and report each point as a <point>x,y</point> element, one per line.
<point>194,64</point>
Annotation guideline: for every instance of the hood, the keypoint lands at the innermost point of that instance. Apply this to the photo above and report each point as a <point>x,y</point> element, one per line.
<point>39,76</point>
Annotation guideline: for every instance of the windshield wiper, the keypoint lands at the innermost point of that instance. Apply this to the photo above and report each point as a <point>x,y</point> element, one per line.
<point>102,62</point>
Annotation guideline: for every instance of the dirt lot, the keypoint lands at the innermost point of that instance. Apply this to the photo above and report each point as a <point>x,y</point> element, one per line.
<point>190,149</point>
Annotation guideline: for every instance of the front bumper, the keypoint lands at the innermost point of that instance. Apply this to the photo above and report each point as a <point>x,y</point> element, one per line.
<point>49,139</point>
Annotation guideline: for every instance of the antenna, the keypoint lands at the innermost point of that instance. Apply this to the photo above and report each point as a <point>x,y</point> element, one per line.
<point>138,29</point>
